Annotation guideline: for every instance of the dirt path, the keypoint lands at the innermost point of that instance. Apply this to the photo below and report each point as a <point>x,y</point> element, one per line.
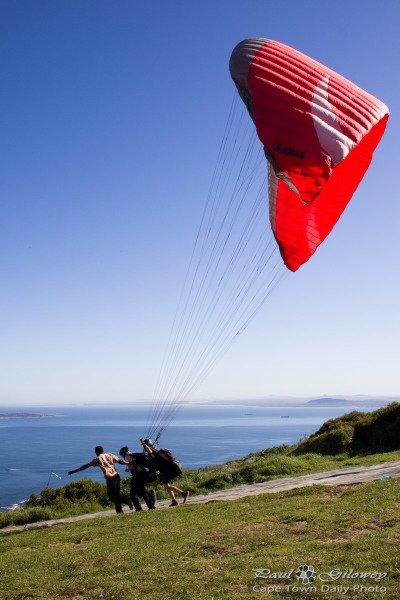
<point>348,476</point>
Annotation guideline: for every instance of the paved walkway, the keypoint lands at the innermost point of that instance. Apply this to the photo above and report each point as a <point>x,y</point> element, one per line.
<point>347,476</point>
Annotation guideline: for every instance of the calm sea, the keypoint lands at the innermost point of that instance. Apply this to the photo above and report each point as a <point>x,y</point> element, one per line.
<point>34,451</point>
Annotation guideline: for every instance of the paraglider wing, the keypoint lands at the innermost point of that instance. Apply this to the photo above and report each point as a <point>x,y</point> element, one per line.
<point>319,132</point>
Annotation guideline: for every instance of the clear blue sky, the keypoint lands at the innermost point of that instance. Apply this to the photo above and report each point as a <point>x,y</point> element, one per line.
<point>111,116</point>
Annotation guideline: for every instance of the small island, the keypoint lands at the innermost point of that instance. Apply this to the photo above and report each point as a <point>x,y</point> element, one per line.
<point>23,415</point>
<point>329,402</point>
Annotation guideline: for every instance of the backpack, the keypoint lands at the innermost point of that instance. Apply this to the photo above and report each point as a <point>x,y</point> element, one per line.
<point>141,463</point>
<point>174,466</point>
<point>133,466</point>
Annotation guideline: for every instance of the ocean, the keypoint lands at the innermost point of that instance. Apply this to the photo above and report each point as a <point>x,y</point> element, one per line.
<point>36,452</point>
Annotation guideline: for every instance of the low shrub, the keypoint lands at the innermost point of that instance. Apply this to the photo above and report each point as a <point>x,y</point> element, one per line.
<point>356,432</point>
<point>82,491</point>
<point>334,441</point>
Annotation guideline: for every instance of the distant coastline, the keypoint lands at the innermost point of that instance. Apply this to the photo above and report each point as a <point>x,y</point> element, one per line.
<point>23,415</point>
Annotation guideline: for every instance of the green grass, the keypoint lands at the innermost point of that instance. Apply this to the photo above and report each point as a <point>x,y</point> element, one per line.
<point>85,496</point>
<point>208,551</point>
<point>353,439</point>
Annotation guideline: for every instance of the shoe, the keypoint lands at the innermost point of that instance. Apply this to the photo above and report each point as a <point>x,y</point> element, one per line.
<point>152,508</point>
<point>130,504</point>
<point>185,496</point>
<point>174,503</point>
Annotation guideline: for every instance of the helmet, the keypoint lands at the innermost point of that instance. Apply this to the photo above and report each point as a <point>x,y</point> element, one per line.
<point>124,450</point>
<point>148,442</point>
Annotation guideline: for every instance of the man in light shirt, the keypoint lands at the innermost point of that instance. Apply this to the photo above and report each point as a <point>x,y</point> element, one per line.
<point>113,480</point>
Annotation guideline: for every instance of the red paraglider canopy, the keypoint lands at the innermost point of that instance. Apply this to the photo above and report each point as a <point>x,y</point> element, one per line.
<point>319,132</point>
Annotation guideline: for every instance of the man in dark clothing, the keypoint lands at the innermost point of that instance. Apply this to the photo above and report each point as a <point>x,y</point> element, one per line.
<point>168,469</point>
<point>138,465</point>
<point>113,480</point>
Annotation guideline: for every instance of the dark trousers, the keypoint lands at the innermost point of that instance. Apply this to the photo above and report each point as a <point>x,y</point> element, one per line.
<point>113,491</point>
<point>138,489</point>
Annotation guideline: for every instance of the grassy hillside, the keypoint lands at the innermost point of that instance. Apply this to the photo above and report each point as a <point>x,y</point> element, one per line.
<point>357,432</point>
<point>353,439</point>
<point>209,551</point>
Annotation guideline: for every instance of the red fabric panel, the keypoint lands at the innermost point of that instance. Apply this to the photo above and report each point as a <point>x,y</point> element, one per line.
<point>320,131</point>
<point>300,228</point>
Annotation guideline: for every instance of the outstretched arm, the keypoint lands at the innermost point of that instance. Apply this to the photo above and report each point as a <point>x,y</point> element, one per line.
<point>82,468</point>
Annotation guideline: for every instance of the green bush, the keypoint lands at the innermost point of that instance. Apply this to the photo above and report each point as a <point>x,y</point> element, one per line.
<point>379,429</point>
<point>22,516</point>
<point>218,481</point>
<point>246,474</point>
<point>335,441</point>
<point>356,432</point>
<point>83,491</point>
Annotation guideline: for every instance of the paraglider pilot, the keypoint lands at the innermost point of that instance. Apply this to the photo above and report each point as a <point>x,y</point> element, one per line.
<point>169,468</point>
